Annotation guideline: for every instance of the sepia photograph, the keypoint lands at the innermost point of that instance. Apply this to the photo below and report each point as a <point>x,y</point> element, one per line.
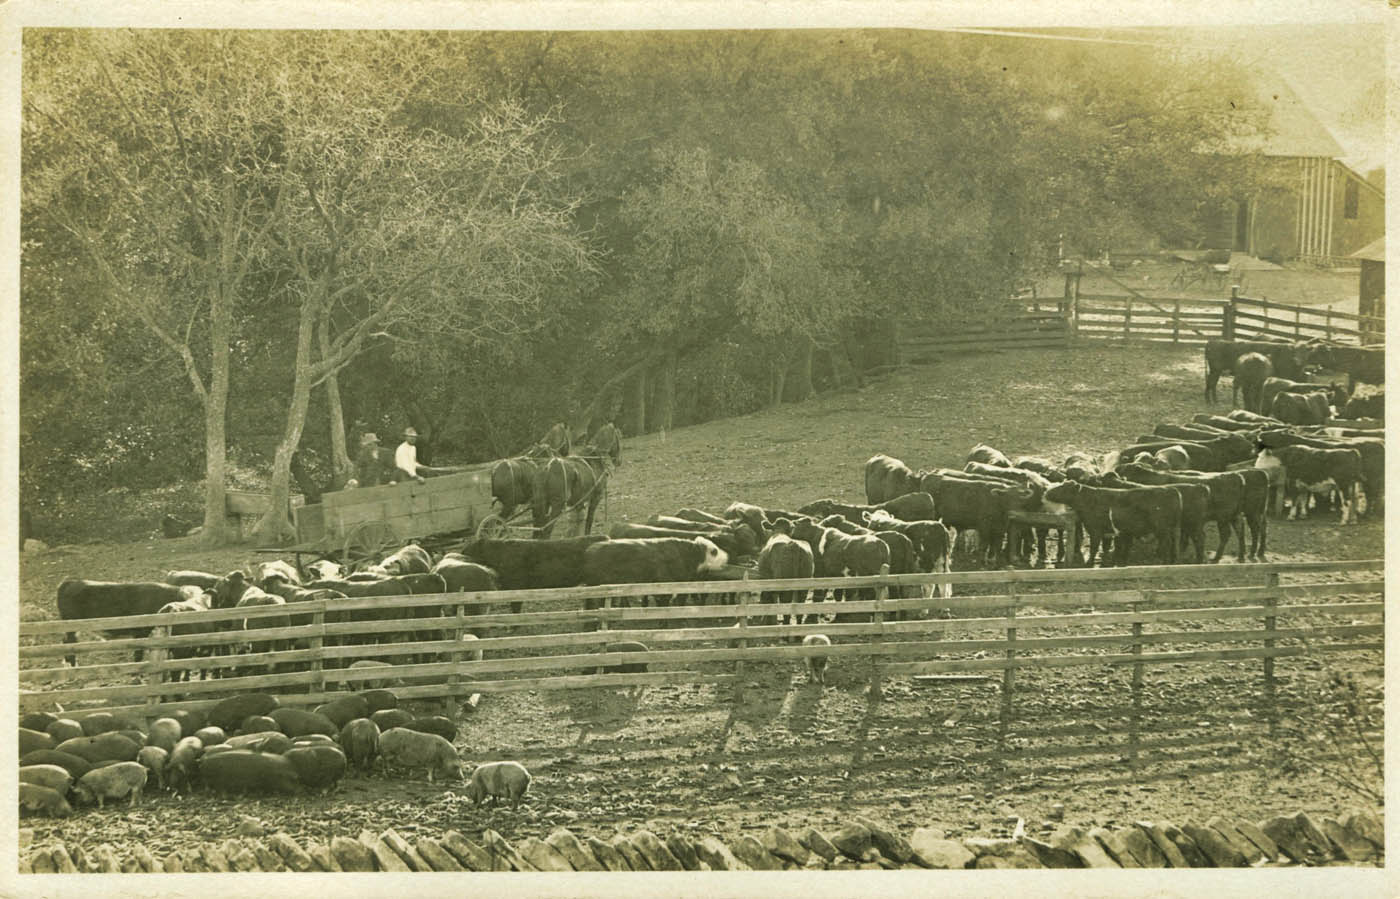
<point>504,444</point>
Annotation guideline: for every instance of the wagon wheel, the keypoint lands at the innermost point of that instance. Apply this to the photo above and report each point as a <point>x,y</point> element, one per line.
<point>492,527</point>
<point>368,539</point>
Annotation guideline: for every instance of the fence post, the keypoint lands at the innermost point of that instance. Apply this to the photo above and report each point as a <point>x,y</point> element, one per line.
<point>1227,323</point>
<point>1176,320</point>
<point>1270,622</point>
<point>318,672</point>
<point>878,617</point>
<point>1137,680</point>
<point>743,643</point>
<point>1008,676</point>
<point>1297,322</point>
<point>1128,319</point>
<point>454,679</point>
<point>1328,322</point>
<point>155,677</point>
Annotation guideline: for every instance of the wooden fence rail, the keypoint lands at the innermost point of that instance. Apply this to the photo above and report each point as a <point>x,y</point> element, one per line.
<point>898,634</point>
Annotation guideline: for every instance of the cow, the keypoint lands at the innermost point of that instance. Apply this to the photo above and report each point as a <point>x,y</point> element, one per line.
<point>1372,450</point>
<point>988,455</point>
<point>1171,458</point>
<point>1126,514</point>
<point>411,559</point>
<point>1287,359</point>
<point>1225,500</point>
<point>931,540</point>
<point>532,564</point>
<point>466,577</point>
<point>1360,363</point>
<point>700,516</point>
<point>1042,467</point>
<point>1188,432</point>
<point>324,569</point>
<point>784,557</point>
<point>823,507</point>
<point>840,555</point>
<point>886,478</point>
<point>1274,386</point>
<point>1364,403</point>
<point>1301,408</point>
<point>201,579</point>
<point>913,506</point>
<point>106,599</point>
<point>980,505</point>
<point>1309,470</point>
<point>656,560</point>
<point>180,630</point>
<point>276,570</point>
<point>736,540</point>
<point>1251,371</point>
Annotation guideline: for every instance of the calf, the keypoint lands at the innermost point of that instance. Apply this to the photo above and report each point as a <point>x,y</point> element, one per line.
<point>1221,356</point>
<point>982,506</point>
<point>105,599</point>
<point>1172,458</point>
<point>887,478</point>
<point>784,557</point>
<point>656,560</point>
<point>1372,450</point>
<point>1224,501</point>
<point>1301,408</point>
<point>824,507</point>
<point>411,559</point>
<point>1126,514</point>
<point>1274,386</point>
<point>737,540</point>
<point>1360,363</point>
<point>1310,470</point>
<point>913,506</point>
<point>1251,371</point>
<point>532,564</point>
<point>931,541</point>
<point>843,555</point>
<point>988,455</point>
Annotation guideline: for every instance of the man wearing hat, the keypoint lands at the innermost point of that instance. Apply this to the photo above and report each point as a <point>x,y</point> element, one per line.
<point>369,470</point>
<point>406,458</point>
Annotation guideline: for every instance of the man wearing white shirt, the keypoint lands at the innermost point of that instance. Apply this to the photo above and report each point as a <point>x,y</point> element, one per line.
<point>406,456</point>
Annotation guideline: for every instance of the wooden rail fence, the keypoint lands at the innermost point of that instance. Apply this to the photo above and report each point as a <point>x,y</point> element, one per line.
<point>297,651</point>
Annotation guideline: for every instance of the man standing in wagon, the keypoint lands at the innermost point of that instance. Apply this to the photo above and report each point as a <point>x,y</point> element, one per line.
<point>406,459</point>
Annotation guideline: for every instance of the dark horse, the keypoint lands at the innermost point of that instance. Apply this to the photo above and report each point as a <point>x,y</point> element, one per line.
<point>565,482</point>
<point>513,480</point>
<point>558,439</point>
<point>607,440</point>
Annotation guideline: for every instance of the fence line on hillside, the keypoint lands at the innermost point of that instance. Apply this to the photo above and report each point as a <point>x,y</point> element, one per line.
<point>297,650</point>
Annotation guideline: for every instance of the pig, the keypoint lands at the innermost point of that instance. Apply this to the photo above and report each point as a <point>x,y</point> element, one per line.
<point>400,747</point>
<point>165,733</point>
<point>319,765</point>
<point>51,776</point>
<point>191,721</point>
<point>228,713</point>
<point>626,668</point>
<point>102,748</point>
<point>34,798</point>
<point>99,723</point>
<point>299,722</point>
<point>476,654</point>
<point>373,684</point>
<point>32,740</point>
<point>112,782</point>
<point>39,721</point>
<point>183,761</point>
<point>345,709</point>
<point>211,736</point>
<point>379,700</point>
<point>272,741</point>
<point>313,740</point>
<point>75,765</point>
<point>246,771</point>
<point>387,719</point>
<point>360,740</point>
<point>816,664</point>
<point>256,724</point>
<point>154,759</point>
<point>64,729</point>
<point>498,779</point>
<point>437,724</point>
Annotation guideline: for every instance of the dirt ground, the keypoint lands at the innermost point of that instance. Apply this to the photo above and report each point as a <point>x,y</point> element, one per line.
<point>692,758</point>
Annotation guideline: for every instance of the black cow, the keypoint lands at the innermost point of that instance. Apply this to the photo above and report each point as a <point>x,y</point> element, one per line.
<point>931,540</point>
<point>988,455</point>
<point>655,560</point>
<point>1360,363</point>
<point>1301,408</point>
<point>1372,450</point>
<point>913,506</point>
<point>532,564</point>
<point>1188,432</point>
<point>784,557</point>
<point>1274,386</point>
<point>1126,514</point>
<point>1251,371</point>
<point>466,577</point>
<point>736,540</point>
<point>886,478</point>
<point>1225,501</point>
<point>836,554</point>
<point>823,507</point>
<point>980,505</point>
<point>1287,359</point>
<point>106,599</point>
<point>1310,470</point>
<point>1365,404</point>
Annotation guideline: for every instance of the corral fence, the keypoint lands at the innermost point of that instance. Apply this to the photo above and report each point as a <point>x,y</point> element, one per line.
<point>556,642</point>
<point>1185,321</point>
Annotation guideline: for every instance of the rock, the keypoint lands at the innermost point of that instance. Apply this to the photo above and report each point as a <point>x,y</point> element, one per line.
<point>813,840</point>
<point>63,862</point>
<point>684,852</point>
<point>717,855</point>
<point>438,858</point>
<point>172,864</point>
<point>320,854</point>
<point>1116,848</point>
<point>1349,845</point>
<point>655,852</point>
<point>292,855</point>
<point>149,863</point>
<point>503,853</point>
<point>1142,848</point>
<point>891,845</point>
<point>999,846</point>
<point>1226,828</point>
<point>569,846</point>
<point>1165,846</point>
<point>931,850</point>
<point>42,863</point>
<point>853,840</point>
<point>407,853</point>
<point>1090,851</point>
<point>1057,812</point>
<point>633,858</point>
<point>240,858</point>
<point>213,857</point>
<point>751,852</point>
<point>1016,857</point>
<point>1195,858</point>
<point>193,862</point>
<point>472,856</point>
<point>267,859</point>
<point>385,858</point>
<point>351,855</point>
<point>248,826</point>
<point>1221,852</point>
<point>1258,838</point>
<point>610,858</point>
<point>991,861</point>
<point>543,856</point>
<point>1313,834</point>
<point>1365,825</point>
<point>1049,856</point>
<point>1284,832</point>
<point>784,845</point>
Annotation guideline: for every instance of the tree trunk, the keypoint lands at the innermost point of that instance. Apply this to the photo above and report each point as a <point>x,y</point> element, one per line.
<point>800,383</point>
<point>276,526</point>
<point>666,393</point>
<point>638,413</point>
<point>215,420</point>
<point>340,456</point>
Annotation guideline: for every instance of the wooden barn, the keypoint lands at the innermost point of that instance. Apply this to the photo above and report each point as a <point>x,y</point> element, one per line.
<point>1371,296</point>
<point>1321,210</point>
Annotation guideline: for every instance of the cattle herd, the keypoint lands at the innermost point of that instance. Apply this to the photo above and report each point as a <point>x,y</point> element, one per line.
<point>244,744</point>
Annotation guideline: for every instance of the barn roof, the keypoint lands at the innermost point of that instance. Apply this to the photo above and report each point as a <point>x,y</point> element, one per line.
<point>1292,128</point>
<point>1372,252</point>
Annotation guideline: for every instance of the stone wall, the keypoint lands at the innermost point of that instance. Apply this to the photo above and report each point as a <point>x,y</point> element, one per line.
<point>1355,838</point>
